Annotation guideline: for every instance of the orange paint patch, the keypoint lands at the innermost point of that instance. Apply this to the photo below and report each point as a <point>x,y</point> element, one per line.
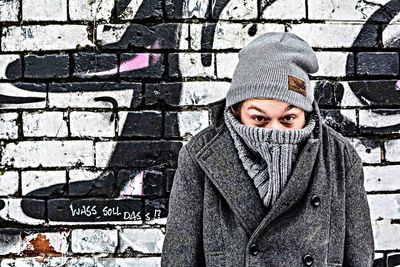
<point>41,246</point>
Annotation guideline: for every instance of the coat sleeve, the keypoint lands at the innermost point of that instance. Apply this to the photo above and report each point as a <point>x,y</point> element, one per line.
<point>359,242</point>
<point>183,242</point>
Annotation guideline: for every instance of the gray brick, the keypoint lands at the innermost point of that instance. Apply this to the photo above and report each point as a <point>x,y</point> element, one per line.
<point>94,241</point>
<point>48,66</point>
<point>378,63</point>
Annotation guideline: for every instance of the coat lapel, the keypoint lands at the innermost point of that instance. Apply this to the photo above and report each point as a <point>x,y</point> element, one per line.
<point>220,161</point>
<point>296,186</point>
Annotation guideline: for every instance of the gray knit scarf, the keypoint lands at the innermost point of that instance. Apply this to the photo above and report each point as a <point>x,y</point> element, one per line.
<point>268,155</point>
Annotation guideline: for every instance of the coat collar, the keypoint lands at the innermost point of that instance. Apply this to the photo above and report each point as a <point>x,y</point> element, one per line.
<point>219,159</point>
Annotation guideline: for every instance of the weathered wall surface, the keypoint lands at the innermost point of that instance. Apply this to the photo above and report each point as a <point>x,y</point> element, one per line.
<point>97,97</point>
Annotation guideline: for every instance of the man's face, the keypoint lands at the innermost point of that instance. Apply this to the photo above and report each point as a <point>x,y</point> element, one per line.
<point>271,114</point>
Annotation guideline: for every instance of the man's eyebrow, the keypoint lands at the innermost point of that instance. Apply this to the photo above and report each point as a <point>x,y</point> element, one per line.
<point>262,111</point>
<point>289,107</point>
<point>256,108</point>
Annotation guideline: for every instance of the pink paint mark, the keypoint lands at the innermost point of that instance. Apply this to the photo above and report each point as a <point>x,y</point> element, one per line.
<point>138,61</point>
<point>397,85</point>
<point>134,187</point>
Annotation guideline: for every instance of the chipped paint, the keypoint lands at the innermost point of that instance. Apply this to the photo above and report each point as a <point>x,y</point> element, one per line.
<point>134,187</point>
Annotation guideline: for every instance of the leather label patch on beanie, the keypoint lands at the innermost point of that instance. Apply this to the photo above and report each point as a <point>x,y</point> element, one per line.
<point>297,85</point>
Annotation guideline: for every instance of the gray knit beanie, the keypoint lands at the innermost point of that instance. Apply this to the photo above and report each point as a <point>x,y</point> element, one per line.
<point>275,65</point>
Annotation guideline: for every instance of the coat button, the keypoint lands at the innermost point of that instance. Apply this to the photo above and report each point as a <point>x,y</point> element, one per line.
<point>308,260</point>
<point>315,201</point>
<point>254,249</point>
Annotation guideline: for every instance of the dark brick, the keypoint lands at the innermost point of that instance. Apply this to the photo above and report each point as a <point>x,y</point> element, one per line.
<point>100,86</point>
<point>144,123</point>
<point>104,185</point>
<point>154,184</point>
<point>148,9</point>
<point>88,63</point>
<point>153,67</point>
<point>170,174</point>
<point>171,125</point>
<point>368,36</point>
<point>377,63</point>
<point>145,154</point>
<point>350,65</point>
<point>156,208</point>
<point>48,66</point>
<point>54,190</point>
<point>163,94</point>
<point>394,128</point>
<point>393,260</point>
<point>173,8</point>
<point>34,208</point>
<point>94,210</point>
<point>333,118</point>
<point>14,70</point>
<point>160,36</point>
<point>376,93</point>
<point>324,93</point>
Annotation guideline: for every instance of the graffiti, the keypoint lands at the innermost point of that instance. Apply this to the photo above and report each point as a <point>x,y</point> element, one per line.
<point>137,175</point>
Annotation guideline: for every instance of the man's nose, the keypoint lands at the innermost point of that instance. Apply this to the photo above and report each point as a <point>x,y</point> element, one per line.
<point>275,125</point>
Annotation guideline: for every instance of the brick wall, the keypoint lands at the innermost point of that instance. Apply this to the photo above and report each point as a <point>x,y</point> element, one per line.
<point>98,96</point>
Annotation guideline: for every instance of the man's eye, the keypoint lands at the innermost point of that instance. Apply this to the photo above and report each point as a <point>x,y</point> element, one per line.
<point>288,118</point>
<point>258,118</point>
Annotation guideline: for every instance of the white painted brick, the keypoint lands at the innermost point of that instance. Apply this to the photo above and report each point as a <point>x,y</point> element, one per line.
<point>32,180</point>
<point>391,35</point>
<point>384,206</point>
<point>386,236</point>
<point>202,93</point>
<point>104,151</point>
<point>48,154</point>
<point>343,10</point>
<point>90,10</point>
<point>226,64</point>
<point>86,99</point>
<point>368,154</point>
<point>9,127</point>
<point>9,183</point>
<point>44,10</point>
<point>112,33</point>
<point>93,124</point>
<point>58,241</point>
<point>321,35</point>
<point>141,240</point>
<point>239,9</point>
<point>5,60</point>
<point>83,175</point>
<point>331,64</point>
<point>49,123</point>
<point>392,148</point>
<point>130,262</point>
<point>49,37</point>
<point>36,262</point>
<point>190,66</point>
<point>349,99</point>
<point>378,256</point>
<point>283,9</point>
<point>11,90</point>
<point>9,10</point>
<point>10,242</point>
<point>94,241</point>
<point>192,122</point>
<point>14,213</point>
<point>231,35</point>
<point>369,118</point>
<point>382,178</point>
<point>191,8</point>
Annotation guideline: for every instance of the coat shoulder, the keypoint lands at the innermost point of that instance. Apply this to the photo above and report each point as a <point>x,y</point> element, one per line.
<point>199,140</point>
<point>338,141</point>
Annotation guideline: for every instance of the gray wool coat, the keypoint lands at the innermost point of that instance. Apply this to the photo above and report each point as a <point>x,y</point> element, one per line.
<point>216,217</point>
